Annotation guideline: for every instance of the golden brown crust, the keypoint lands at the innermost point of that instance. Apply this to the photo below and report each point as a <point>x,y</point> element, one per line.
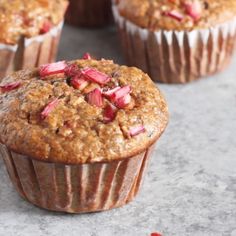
<point>75,132</point>
<point>151,14</point>
<point>27,18</point>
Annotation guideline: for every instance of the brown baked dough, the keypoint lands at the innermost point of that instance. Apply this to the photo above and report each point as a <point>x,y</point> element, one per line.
<point>75,131</point>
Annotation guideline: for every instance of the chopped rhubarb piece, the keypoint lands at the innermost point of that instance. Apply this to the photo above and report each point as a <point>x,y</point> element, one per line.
<point>95,76</point>
<point>137,130</point>
<point>87,56</point>
<point>47,25</point>
<point>123,101</point>
<point>79,82</point>
<point>48,109</point>
<point>71,70</point>
<point>10,86</point>
<point>109,113</point>
<point>110,92</point>
<point>53,68</point>
<point>175,15</point>
<point>194,9</point>
<point>122,92</point>
<point>95,98</point>
<point>155,234</point>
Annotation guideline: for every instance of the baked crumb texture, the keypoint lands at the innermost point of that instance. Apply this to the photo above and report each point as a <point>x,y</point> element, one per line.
<point>177,41</point>
<point>177,14</point>
<point>80,112</point>
<point>28,18</point>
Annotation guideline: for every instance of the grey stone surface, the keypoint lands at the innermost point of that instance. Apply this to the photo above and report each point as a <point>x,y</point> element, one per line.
<point>190,188</point>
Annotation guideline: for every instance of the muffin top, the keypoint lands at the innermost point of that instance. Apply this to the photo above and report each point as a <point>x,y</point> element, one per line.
<point>177,14</point>
<point>28,18</point>
<point>80,112</point>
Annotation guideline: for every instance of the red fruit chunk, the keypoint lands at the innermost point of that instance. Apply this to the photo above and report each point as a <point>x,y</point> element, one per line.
<point>122,92</point>
<point>95,98</point>
<point>175,15</point>
<point>79,82</point>
<point>109,113</point>
<point>87,56</point>
<point>155,234</point>
<point>95,76</point>
<point>123,101</point>
<point>48,109</point>
<point>137,130</point>
<point>10,86</point>
<point>110,92</point>
<point>194,9</point>
<point>47,25</point>
<point>52,69</point>
<point>71,70</point>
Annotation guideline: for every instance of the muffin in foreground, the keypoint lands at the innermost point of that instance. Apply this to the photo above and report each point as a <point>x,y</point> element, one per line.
<point>177,41</point>
<point>29,33</point>
<point>77,136</point>
<point>89,13</point>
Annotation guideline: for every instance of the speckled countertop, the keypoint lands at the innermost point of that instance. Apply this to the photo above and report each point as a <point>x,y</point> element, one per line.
<point>190,188</point>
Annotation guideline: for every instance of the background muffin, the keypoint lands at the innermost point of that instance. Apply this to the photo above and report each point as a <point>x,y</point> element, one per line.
<point>90,13</point>
<point>29,33</point>
<point>177,41</point>
<point>79,134</point>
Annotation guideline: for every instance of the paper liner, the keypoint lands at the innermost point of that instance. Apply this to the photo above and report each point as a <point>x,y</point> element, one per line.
<point>89,13</point>
<point>30,52</point>
<point>177,56</point>
<point>76,188</point>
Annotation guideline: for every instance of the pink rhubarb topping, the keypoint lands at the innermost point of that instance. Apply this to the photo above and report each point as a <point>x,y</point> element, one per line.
<point>52,69</point>
<point>95,98</point>
<point>87,56</point>
<point>137,130</point>
<point>194,9</point>
<point>95,76</point>
<point>71,70</point>
<point>156,234</point>
<point>78,82</point>
<point>123,101</point>
<point>110,92</point>
<point>10,86</point>
<point>47,25</point>
<point>175,15</point>
<point>48,109</point>
<point>109,113</point>
<point>120,93</point>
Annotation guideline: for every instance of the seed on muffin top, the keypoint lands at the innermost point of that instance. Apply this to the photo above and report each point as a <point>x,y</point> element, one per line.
<point>81,111</point>
<point>28,18</point>
<point>177,14</point>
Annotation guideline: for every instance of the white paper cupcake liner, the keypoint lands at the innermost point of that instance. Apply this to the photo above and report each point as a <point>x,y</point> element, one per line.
<point>76,188</point>
<point>177,56</point>
<point>30,52</point>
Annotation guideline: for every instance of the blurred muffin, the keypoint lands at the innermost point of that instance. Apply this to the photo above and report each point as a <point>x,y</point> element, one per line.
<point>77,136</point>
<point>177,41</point>
<point>29,33</point>
<point>89,13</point>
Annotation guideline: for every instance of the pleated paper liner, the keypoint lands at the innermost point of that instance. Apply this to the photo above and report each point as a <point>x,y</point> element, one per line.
<point>89,13</point>
<point>30,52</point>
<point>177,56</point>
<point>76,188</point>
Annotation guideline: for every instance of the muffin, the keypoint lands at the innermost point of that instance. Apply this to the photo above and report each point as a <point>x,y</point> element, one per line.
<point>177,41</point>
<point>77,136</point>
<point>89,13</point>
<point>29,33</point>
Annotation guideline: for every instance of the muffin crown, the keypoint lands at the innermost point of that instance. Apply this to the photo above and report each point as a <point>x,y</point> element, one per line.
<point>177,14</point>
<point>80,112</point>
<point>28,18</point>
